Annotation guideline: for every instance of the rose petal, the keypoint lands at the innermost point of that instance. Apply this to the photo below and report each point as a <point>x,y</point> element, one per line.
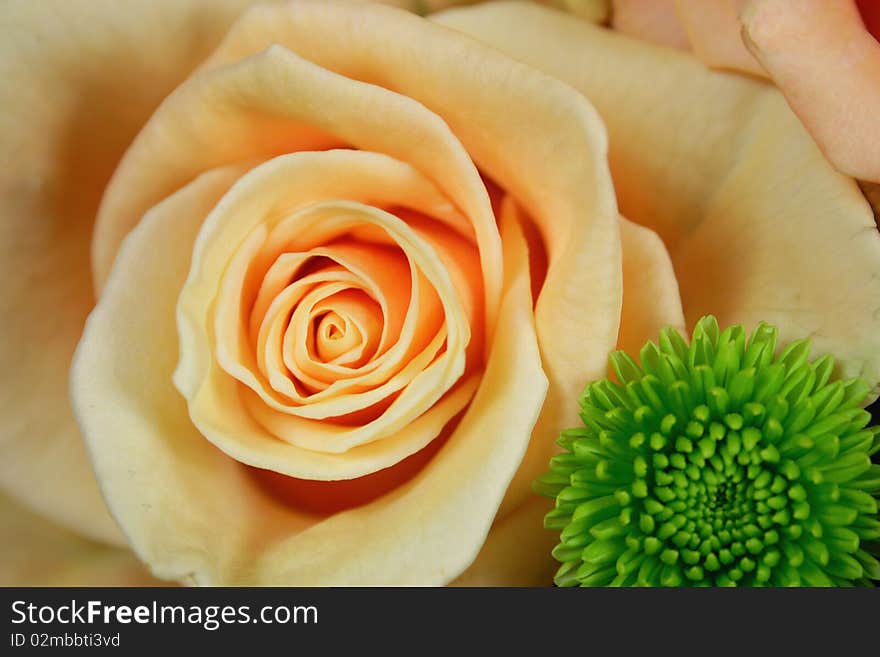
<point>240,101</point>
<point>159,473</point>
<point>758,224</point>
<point>483,118</point>
<point>338,549</point>
<point>652,20</point>
<point>77,80</point>
<point>418,328</point>
<point>517,550</point>
<point>713,29</point>
<point>35,552</point>
<point>828,66</point>
<point>561,406</point>
<point>651,298</point>
<point>215,405</point>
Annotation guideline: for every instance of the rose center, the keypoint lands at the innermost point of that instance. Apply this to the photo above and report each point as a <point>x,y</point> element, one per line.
<point>336,335</point>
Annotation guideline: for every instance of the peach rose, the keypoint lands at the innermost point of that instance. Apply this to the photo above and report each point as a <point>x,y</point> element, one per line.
<point>818,52</point>
<point>351,274</point>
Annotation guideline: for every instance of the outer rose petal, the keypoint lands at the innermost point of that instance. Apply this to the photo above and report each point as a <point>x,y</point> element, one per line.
<point>652,20</point>
<point>77,80</point>
<point>517,551</point>
<point>828,66</point>
<point>35,552</point>
<point>758,223</point>
<point>714,31</point>
<point>651,299</point>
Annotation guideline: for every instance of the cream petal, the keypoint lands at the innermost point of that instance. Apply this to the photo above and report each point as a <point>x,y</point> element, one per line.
<point>292,354</point>
<point>77,80</point>
<point>243,435</point>
<point>385,275</point>
<point>196,515</point>
<point>517,550</point>
<point>156,471</point>
<point>560,407</point>
<point>714,31</point>
<point>651,298</point>
<point>758,224</point>
<point>828,66</point>
<point>215,404</point>
<point>216,409</point>
<point>652,20</point>
<point>345,323</point>
<point>35,552</point>
<point>425,312</point>
<point>335,325</point>
<point>483,118</point>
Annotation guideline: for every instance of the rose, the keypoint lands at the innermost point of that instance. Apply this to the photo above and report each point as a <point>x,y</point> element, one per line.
<point>254,384</point>
<point>816,51</point>
<point>174,494</point>
<point>441,323</point>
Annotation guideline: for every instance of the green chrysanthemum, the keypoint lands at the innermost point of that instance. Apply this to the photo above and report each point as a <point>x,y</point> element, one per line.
<point>719,463</point>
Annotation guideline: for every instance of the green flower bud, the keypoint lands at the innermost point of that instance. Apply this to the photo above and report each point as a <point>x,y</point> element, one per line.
<point>718,463</point>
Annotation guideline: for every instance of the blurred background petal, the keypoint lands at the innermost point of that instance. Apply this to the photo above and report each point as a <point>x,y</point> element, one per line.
<point>35,552</point>
<point>652,20</point>
<point>827,64</point>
